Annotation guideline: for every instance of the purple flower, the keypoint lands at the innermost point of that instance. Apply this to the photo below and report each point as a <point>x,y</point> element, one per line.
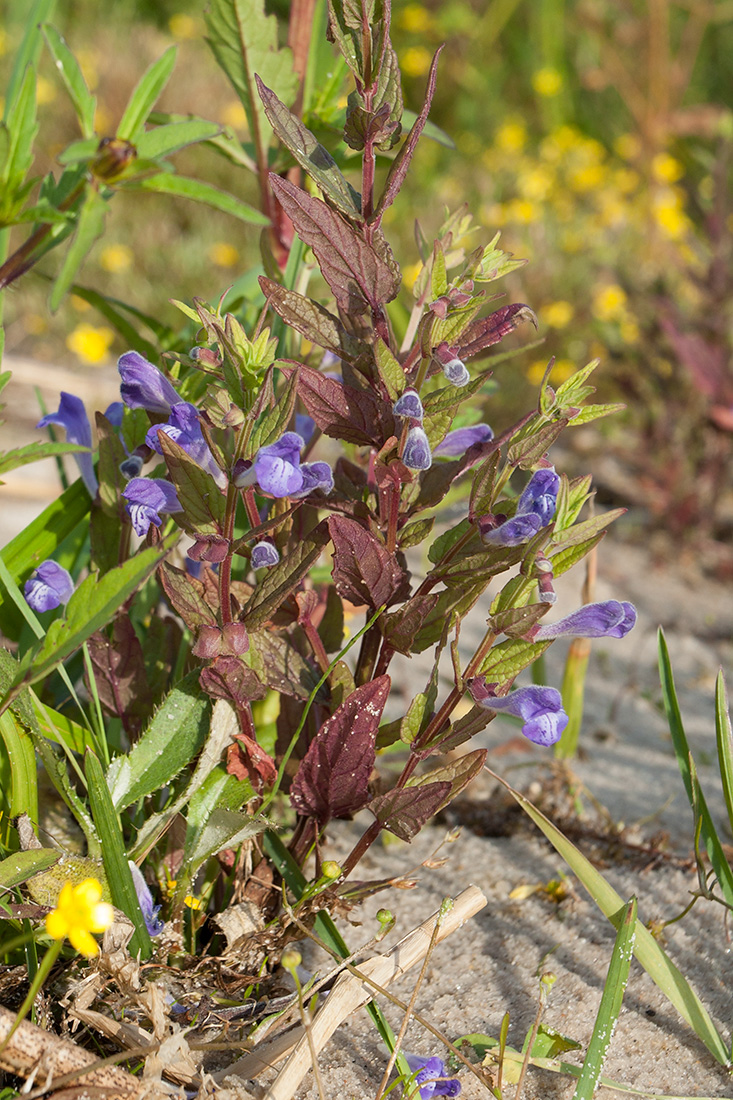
<point>416,454</point>
<point>540,709</point>
<point>456,372</point>
<point>457,442</point>
<point>48,587</point>
<point>184,426</point>
<point>513,532</point>
<point>264,555</point>
<point>145,900</point>
<point>409,404</point>
<point>305,426</point>
<point>114,413</point>
<point>147,498</point>
<point>277,467</point>
<point>72,416</point>
<point>432,1077</point>
<point>610,619</point>
<point>143,386</point>
<point>540,496</point>
<point>316,475</point>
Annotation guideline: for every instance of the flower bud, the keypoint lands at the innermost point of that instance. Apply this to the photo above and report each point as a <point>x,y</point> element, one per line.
<point>264,555</point>
<point>409,405</point>
<point>416,455</point>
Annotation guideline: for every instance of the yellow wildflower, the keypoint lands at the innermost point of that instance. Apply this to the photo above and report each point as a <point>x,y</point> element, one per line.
<point>79,912</point>
<point>223,254</point>
<point>410,273</point>
<point>416,61</point>
<point>669,214</point>
<point>511,137</point>
<point>628,146</point>
<point>116,258</point>
<point>547,82</point>
<point>192,902</point>
<point>609,303</point>
<point>666,169</point>
<point>587,178</point>
<point>89,343</point>
<point>625,180</point>
<point>234,115</point>
<point>557,314</point>
<point>536,182</point>
<point>415,19</point>
<point>182,26</point>
<point>521,211</point>
<point>45,91</point>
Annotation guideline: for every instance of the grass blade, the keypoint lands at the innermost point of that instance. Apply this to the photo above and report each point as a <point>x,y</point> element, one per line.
<point>610,1006</point>
<point>655,961</point>
<point>724,736</point>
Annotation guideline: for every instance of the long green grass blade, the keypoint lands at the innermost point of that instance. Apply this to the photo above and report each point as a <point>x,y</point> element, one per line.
<point>713,847</point>
<point>114,856</point>
<point>655,961</point>
<point>23,794</point>
<point>28,52</point>
<point>610,1006</point>
<point>724,736</point>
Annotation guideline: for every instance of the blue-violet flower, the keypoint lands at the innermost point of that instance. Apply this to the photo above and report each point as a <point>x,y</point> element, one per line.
<point>535,509</point>
<point>610,619</point>
<point>153,923</point>
<point>416,454</point>
<point>144,386</point>
<point>316,475</point>
<point>49,586</point>
<point>184,426</point>
<point>264,555</point>
<point>72,416</point>
<point>457,442</point>
<point>540,709</point>
<point>409,404</point>
<point>432,1076</point>
<point>277,466</point>
<point>147,499</point>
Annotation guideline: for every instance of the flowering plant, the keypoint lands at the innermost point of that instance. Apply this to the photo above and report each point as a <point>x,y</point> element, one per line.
<point>274,472</point>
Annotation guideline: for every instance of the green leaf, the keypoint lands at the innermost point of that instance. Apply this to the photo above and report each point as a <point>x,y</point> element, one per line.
<point>565,559</point>
<point>724,737</point>
<point>245,41</point>
<point>182,187</point>
<point>89,229</point>
<point>92,606</point>
<point>595,412</point>
<point>114,856</point>
<point>309,153</point>
<point>22,795</point>
<point>714,848</point>
<point>173,738</point>
<point>22,127</point>
<point>272,425</point>
<point>657,964</point>
<point>507,659</point>
<point>144,96</point>
<point>68,67</point>
<point>28,52</point>
<point>203,503</point>
<point>34,452</point>
<point>570,500</point>
<point>390,371</point>
<point>611,1000</point>
<point>18,868</point>
<point>113,311</point>
<point>161,141</point>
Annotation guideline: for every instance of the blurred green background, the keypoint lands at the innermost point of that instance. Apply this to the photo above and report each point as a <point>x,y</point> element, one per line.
<point>595,135</point>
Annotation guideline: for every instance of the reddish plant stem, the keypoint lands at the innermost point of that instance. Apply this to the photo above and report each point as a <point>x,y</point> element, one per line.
<point>300,29</point>
<point>225,569</point>
<point>317,646</point>
<point>23,259</point>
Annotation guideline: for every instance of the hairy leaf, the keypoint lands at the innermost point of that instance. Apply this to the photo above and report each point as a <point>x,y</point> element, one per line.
<point>186,595</point>
<point>401,627</point>
<point>340,411</point>
<point>332,780</point>
<point>203,503</point>
<point>119,671</point>
<point>274,422</point>
<point>89,228</point>
<point>507,659</point>
<point>33,452</point>
<point>457,773</point>
<point>307,317</point>
<point>487,331</point>
<point>364,571</point>
<point>230,678</point>
<point>405,810</point>
<point>527,451</point>
<point>357,274</point>
<point>181,186</point>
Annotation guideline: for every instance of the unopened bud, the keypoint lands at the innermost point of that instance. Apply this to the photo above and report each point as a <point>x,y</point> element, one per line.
<point>112,158</point>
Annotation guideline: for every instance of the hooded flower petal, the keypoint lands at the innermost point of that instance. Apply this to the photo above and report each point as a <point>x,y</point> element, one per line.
<point>114,413</point>
<point>514,531</point>
<point>49,587</point>
<point>457,442</point>
<point>304,426</point>
<point>416,455</point>
<point>184,426</point>
<point>72,416</point>
<point>432,1076</point>
<point>147,498</point>
<point>409,404</point>
<point>149,911</point>
<point>540,709</point>
<point>456,372</point>
<point>610,619</point>
<point>277,466</point>
<point>540,495</point>
<point>316,475</point>
<point>143,386</point>
<point>264,555</point>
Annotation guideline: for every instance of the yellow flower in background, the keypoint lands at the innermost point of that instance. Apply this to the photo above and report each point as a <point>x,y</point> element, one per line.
<point>628,146</point>
<point>557,314</point>
<point>587,178</point>
<point>535,182</point>
<point>183,26</point>
<point>116,257</point>
<point>415,61</point>
<point>79,912</point>
<point>410,273</point>
<point>90,344</point>
<point>223,254</point>
<point>521,211</point>
<point>609,303</point>
<point>511,137</point>
<point>192,902</point>
<point>415,19</point>
<point>562,369</point>
<point>669,214</point>
<point>234,115</point>
<point>666,169</point>
<point>79,304</point>
<point>45,91</point>
<point>88,64</point>
<point>547,82</point>
<point>625,180</point>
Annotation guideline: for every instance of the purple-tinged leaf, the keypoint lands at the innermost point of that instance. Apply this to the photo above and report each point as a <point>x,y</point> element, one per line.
<point>483,488</point>
<point>400,628</point>
<point>364,571</point>
<point>279,665</point>
<point>284,578</point>
<point>358,276</point>
<point>119,673</point>
<point>529,450</point>
<point>229,678</point>
<point>186,595</point>
<point>312,157</point>
<point>203,503</point>
<point>333,777</point>
<point>307,317</point>
<point>457,773</point>
<point>401,163</point>
<point>405,810</point>
<point>465,728</point>
<point>341,411</point>
<point>516,621</point>
<point>487,331</point>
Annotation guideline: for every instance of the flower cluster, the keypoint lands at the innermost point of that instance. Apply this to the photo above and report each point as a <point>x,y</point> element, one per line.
<point>535,509</point>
